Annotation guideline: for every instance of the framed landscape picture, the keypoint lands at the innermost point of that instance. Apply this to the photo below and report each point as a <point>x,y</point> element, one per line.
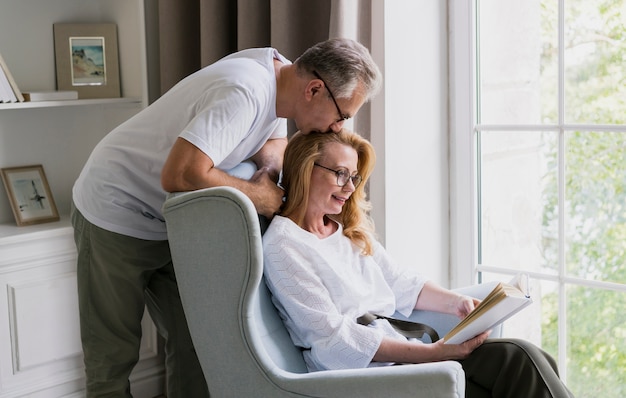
<point>87,59</point>
<point>29,194</point>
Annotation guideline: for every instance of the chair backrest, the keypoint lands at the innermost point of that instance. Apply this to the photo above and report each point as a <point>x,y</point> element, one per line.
<point>272,335</point>
<point>215,240</point>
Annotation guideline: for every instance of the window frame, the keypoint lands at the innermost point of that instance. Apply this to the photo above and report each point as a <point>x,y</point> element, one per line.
<point>463,194</point>
<point>464,189</point>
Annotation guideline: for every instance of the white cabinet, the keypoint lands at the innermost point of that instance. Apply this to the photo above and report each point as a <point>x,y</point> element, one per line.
<point>40,352</point>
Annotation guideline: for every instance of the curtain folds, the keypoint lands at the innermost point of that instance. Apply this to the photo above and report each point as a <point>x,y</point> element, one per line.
<point>190,34</point>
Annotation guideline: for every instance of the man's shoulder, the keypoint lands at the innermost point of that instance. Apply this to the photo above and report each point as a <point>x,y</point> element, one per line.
<point>257,53</point>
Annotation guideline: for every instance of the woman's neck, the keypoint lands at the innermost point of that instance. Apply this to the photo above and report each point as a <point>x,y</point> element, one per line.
<point>320,227</point>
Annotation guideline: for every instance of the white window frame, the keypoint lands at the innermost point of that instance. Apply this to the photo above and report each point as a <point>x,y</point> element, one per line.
<point>463,256</point>
<point>463,191</point>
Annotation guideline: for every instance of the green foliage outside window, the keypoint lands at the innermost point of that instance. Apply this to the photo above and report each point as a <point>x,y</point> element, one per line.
<point>595,194</point>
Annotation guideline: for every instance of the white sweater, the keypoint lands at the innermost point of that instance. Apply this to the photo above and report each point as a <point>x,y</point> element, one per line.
<point>321,286</point>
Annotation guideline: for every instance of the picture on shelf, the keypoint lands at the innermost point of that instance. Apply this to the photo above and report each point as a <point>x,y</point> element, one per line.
<point>29,194</point>
<point>87,59</point>
<point>88,66</point>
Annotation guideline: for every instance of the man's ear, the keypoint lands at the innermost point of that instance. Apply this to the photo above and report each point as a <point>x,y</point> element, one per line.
<point>312,88</point>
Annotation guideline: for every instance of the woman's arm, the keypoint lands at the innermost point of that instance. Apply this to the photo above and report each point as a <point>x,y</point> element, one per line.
<point>391,350</point>
<point>436,298</point>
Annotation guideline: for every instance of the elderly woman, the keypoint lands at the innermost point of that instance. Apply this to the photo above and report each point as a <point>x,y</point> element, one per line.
<point>325,270</point>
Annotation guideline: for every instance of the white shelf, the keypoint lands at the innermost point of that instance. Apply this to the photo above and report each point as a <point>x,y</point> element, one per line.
<point>10,233</point>
<point>80,102</point>
<point>61,134</point>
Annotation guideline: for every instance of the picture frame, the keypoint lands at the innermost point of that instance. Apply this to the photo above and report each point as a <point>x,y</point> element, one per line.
<point>30,195</point>
<point>87,59</point>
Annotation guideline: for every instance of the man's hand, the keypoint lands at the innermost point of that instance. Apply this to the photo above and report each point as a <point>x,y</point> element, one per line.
<point>267,196</point>
<point>270,157</point>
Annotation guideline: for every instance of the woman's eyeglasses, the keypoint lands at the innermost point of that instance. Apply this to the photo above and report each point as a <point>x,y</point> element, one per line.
<point>343,176</point>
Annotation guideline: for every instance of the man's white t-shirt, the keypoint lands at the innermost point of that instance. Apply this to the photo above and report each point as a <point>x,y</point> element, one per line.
<point>227,110</point>
<point>321,286</point>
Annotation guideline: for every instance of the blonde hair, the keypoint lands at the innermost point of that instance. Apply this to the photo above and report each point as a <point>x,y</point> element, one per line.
<point>303,150</point>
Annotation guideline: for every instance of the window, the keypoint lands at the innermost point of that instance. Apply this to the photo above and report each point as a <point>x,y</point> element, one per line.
<point>538,163</point>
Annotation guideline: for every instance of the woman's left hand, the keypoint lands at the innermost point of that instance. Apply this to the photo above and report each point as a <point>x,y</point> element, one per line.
<point>463,305</point>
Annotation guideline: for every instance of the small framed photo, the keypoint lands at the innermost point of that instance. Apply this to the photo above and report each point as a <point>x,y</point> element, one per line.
<point>87,59</point>
<point>29,194</point>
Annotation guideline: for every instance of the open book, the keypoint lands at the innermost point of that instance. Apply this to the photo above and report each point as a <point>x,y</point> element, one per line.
<point>505,300</point>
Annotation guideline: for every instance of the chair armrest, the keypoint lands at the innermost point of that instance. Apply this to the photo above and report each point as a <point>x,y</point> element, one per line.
<point>437,379</point>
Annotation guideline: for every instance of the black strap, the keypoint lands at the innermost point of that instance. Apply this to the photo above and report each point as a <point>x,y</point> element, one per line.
<point>405,328</point>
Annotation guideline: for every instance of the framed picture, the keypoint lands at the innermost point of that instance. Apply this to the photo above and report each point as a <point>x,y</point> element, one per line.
<point>87,59</point>
<point>29,194</point>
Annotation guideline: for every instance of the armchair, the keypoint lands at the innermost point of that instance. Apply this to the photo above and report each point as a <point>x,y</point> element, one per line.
<point>242,345</point>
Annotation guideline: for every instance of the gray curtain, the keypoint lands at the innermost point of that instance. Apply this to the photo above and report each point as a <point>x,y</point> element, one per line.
<point>185,35</point>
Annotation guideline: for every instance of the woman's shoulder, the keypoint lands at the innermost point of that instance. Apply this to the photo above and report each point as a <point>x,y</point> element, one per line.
<point>279,227</point>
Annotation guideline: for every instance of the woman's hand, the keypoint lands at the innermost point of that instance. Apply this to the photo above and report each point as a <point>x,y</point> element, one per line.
<point>397,350</point>
<point>436,298</point>
<point>460,351</point>
<point>463,305</point>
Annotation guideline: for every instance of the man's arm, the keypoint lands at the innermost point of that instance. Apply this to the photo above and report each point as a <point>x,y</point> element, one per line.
<point>270,156</point>
<point>188,169</point>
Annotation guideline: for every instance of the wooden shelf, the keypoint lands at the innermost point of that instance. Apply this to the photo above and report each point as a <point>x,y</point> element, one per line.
<point>80,102</point>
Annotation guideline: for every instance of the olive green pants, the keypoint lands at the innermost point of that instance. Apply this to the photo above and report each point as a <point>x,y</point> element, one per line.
<point>118,276</point>
<point>510,368</point>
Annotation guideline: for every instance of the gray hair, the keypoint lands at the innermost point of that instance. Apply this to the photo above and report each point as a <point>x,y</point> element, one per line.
<point>342,64</point>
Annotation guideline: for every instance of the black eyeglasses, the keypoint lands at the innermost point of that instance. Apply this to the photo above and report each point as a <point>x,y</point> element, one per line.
<point>343,176</point>
<point>342,117</point>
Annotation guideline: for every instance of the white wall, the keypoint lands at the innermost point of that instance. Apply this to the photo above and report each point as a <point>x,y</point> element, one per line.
<point>410,133</point>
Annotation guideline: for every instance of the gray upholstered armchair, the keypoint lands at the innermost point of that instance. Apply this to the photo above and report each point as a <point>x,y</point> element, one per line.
<point>243,347</point>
